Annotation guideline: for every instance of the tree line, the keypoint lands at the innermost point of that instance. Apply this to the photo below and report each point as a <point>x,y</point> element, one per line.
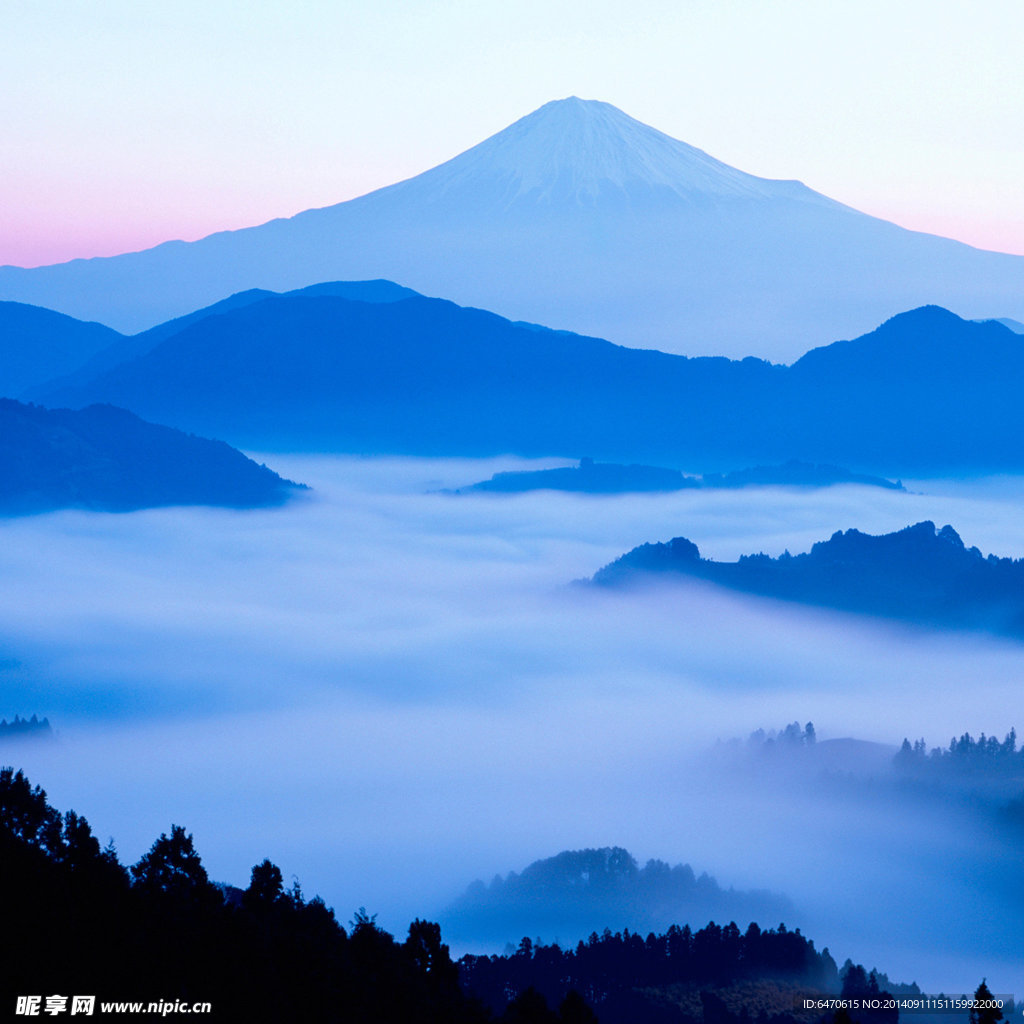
<point>79,922</point>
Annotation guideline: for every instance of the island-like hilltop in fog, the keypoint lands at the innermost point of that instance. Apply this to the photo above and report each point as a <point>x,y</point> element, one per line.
<point>919,574</point>
<point>590,477</point>
<point>580,217</point>
<point>568,896</point>
<point>107,459</point>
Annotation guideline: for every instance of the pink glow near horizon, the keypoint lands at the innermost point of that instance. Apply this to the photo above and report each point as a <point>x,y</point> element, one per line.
<point>108,225</point>
<point>67,240</point>
<point>127,125</point>
<point>95,231</point>
<point>983,230</point>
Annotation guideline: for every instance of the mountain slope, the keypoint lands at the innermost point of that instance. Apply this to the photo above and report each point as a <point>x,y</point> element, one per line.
<point>126,349</point>
<point>580,217</point>
<point>925,393</point>
<point>419,376</point>
<point>37,344</point>
<point>107,459</point>
<point>937,388</point>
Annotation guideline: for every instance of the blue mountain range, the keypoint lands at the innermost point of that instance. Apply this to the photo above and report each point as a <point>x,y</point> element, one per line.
<point>927,392</point>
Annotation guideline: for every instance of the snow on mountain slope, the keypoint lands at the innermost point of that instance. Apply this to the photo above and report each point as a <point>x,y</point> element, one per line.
<point>581,151</point>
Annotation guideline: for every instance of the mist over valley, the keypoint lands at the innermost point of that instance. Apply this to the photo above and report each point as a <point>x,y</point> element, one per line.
<point>393,692</point>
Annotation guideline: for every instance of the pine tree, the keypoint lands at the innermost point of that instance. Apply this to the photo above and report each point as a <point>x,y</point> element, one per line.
<point>987,1012</point>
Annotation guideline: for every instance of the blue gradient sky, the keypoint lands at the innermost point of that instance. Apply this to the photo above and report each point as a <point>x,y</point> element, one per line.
<point>127,124</point>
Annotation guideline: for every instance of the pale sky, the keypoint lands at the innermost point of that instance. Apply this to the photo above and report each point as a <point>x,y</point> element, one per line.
<point>127,124</point>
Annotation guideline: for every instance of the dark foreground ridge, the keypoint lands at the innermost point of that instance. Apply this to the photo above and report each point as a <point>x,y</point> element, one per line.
<point>267,953</point>
<point>106,459</point>
<point>590,477</point>
<point>715,975</point>
<point>919,574</point>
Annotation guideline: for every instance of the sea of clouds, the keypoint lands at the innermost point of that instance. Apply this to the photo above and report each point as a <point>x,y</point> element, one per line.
<point>391,691</point>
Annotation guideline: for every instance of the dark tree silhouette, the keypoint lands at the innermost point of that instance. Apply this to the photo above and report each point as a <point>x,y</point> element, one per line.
<point>429,954</point>
<point>987,1012</point>
<point>27,815</point>
<point>529,1007</point>
<point>266,886</point>
<point>574,1010</point>
<point>855,982</point>
<point>173,868</point>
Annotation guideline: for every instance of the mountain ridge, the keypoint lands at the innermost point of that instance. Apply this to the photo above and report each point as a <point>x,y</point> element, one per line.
<point>918,574</point>
<point>125,348</point>
<point>424,376</point>
<point>37,343</point>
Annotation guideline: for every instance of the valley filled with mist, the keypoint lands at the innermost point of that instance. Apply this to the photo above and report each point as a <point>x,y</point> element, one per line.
<point>392,691</point>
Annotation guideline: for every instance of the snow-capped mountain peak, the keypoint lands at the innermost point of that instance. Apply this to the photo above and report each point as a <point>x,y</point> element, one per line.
<point>586,150</point>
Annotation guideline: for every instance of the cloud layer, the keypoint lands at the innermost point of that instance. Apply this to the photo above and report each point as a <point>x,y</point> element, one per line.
<point>391,692</point>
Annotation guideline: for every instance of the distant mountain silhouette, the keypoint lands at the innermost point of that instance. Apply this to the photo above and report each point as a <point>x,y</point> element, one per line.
<point>926,392</point>
<point>612,478</point>
<point>587,477</point>
<point>19,728</point>
<point>919,574</point>
<point>37,344</point>
<point>420,376</point>
<point>1014,325</point>
<point>78,369</point>
<point>796,474</point>
<point>581,891</point>
<point>107,459</point>
<point>580,217</point>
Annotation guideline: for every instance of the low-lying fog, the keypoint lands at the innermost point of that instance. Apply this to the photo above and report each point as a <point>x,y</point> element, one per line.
<point>391,692</point>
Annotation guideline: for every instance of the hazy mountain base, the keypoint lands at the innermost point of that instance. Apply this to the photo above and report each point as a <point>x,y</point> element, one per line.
<point>951,815</point>
<point>977,784</point>
<point>20,729</point>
